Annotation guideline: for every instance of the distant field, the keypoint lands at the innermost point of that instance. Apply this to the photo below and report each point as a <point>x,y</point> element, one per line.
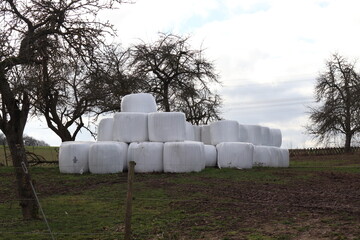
<point>316,198</point>
<point>48,153</point>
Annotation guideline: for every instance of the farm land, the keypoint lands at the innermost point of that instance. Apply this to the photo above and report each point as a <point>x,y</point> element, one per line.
<point>317,197</point>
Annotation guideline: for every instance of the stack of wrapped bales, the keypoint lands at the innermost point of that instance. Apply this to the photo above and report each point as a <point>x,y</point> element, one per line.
<point>74,157</point>
<point>235,155</point>
<point>147,155</point>
<point>210,155</point>
<point>105,129</point>
<point>130,127</point>
<point>165,142</point>
<point>107,157</point>
<point>183,157</point>
<point>139,102</point>
<point>167,127</point>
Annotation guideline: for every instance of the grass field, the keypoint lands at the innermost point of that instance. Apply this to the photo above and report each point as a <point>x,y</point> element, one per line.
<point>48,153</point>
<point>316,198</point>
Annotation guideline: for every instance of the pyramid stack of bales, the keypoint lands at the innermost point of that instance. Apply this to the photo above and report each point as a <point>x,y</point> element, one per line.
<point>165,142</point>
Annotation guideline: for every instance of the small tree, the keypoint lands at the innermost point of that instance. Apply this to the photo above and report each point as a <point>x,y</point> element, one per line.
<point>338,90</point>
<point>178,76</point>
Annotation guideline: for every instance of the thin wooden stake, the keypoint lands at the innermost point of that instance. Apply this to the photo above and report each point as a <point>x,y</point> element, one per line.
<point>129,201</point>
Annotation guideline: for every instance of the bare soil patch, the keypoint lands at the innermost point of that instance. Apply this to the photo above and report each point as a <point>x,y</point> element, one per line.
<point>326,206</point>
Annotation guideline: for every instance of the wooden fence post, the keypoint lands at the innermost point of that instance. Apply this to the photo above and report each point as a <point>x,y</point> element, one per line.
<point>129,197</point>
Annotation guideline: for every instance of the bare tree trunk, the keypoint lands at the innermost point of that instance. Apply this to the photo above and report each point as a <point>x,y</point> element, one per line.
<point>166,98</point>
<point>27,200</point>
<point>13,128</point>
<point>5,155</point>
<point>348,137</point>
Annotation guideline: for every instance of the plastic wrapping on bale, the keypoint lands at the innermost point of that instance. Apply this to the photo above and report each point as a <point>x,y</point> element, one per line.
<point>265,136</point>
<point>197,133</point>
<point>130,127</point>
<point>105,129</point>
<point>107,157</point>
<point>224,131</point>
<point>183,157</point>
<point>285,160</point>
<point>74,157</point>
<point>147,155</point>
<point>243,133</point>
<point>235,155</point>
<point>190,133</point>
<point>210,156</point>
<point>166,127</point>
<point>276,137</point>
<point>205,134</point>
<point>138,102</point>
<point>254,134</point>
<point>262,156</point>
<point>275,157</point>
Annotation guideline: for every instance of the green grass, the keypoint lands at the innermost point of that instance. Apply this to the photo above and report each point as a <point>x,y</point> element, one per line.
<point>48,153</point>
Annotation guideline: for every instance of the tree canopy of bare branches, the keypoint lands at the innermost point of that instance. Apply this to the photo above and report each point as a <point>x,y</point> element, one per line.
<point>66,89</point>
<point>338,91</point>
<point>178,76</point>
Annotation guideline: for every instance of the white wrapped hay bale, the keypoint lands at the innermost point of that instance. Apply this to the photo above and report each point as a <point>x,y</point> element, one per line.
<point>197,133</point>
<point>210,156</point>
<point>262,156</point>
<point>184,157</point>
<point>224,131</point>
<point>130,127</point>
<point>276,137</point>
<point>265,136</point>
<point>205,134</point>
<point>148,156</point>
<point>235,155</point>
<point>105,129</point>
<point>107,157</point>
<point>167,127</point>
<point>190,133</point>
<point>285,158</point>
<point>74,157</point>
<point>254,134</point>
<point>138,102</point>
<point>243,133</point>
<point>275,157</point>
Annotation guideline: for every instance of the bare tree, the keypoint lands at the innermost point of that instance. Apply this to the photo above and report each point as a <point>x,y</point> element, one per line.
<point>177,75</point>
<point>338,91</point>
<point>66,88</point>
<point>32,30</point>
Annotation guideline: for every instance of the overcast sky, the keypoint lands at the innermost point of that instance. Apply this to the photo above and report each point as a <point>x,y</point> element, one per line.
<point>268,52</point>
